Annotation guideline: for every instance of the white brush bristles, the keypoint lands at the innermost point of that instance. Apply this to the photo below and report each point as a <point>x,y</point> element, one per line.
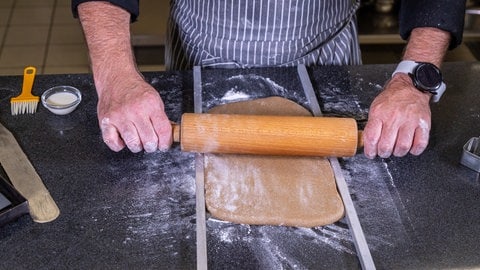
<point>23,107</point>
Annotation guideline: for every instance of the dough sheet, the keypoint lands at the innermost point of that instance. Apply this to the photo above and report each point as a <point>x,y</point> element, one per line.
<point>270,190</point>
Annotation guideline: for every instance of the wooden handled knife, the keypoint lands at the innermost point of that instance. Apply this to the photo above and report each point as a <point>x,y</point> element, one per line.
<point>25,179</point>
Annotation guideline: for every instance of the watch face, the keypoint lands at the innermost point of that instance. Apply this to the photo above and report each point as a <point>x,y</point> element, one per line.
<point>428,77</point>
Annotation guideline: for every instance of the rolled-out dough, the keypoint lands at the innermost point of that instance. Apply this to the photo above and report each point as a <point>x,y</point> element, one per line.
<point>270,190</point>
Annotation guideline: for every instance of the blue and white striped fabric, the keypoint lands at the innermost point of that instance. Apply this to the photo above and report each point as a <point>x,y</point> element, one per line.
<point>254,33</point>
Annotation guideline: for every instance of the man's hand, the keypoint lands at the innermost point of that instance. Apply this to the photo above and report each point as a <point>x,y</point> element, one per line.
<point>132,114</point>
<point>130,111</point>
<point>399,120</point>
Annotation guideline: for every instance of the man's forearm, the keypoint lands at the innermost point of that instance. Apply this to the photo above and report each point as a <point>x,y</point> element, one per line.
<point>427,45</point>
<point>107,32</point>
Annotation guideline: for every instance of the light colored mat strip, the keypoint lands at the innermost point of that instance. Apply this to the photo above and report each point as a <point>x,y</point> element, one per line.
<point>363,252</point>
<point>25,179</point>
<point>202,260</point>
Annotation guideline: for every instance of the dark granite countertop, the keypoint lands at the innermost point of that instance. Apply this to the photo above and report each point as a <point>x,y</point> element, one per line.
<point>137,211</point>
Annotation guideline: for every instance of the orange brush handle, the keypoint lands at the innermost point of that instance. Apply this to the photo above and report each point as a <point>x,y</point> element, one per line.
<point>268,135</point>
<point>28,78</point>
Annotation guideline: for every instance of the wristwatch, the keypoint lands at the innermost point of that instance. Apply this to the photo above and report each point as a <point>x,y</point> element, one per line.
<point>426,77</point>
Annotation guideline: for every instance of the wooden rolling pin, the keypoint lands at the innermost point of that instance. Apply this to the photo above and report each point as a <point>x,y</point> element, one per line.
<point>268,135</point>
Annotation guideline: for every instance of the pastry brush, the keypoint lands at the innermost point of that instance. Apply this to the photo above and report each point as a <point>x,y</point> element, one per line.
<point>25,102</point>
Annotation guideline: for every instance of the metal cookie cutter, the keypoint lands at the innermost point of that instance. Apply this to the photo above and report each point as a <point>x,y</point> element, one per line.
<point>471,154</point>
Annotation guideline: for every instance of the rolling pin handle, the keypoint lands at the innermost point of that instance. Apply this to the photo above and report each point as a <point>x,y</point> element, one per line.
<point>176,132</point>
<point>360,139</point>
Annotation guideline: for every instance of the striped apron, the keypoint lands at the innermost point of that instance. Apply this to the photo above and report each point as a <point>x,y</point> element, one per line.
<point>260,33</point>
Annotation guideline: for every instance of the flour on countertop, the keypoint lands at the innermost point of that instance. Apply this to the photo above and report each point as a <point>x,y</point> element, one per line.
<point>234,95</point>
<point>273,244</point>
<point>157,198</point>
<point>336,101</point>
<point>245,87</point>
<point>372,187</point>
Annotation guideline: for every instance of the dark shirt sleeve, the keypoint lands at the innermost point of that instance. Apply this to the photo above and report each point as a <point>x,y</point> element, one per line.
<point>447,15</point>
<point>129,5</point>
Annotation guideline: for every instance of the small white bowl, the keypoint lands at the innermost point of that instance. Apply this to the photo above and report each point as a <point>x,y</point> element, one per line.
<point>61,99</point>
